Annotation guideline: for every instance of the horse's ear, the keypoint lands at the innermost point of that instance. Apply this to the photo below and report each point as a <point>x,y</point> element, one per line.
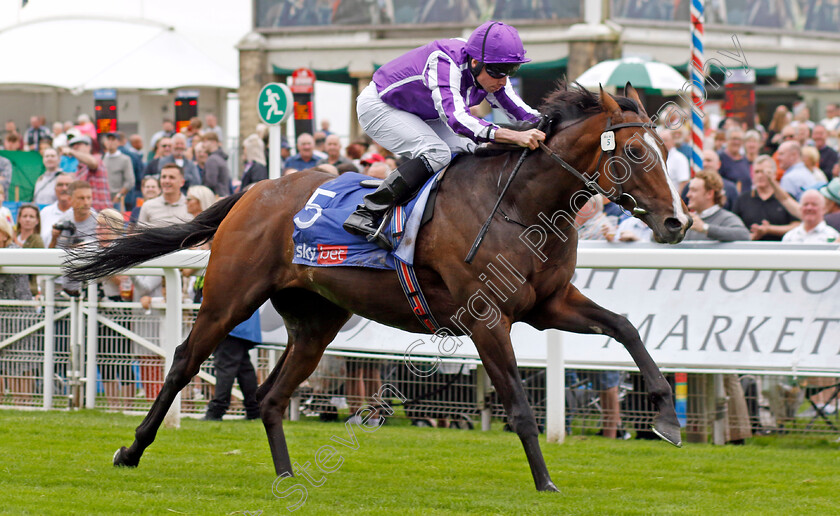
<point>631,93</point>
<point>609,105</point>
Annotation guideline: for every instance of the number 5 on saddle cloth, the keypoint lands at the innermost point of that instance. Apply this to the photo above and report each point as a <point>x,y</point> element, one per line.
<point>321,241</point>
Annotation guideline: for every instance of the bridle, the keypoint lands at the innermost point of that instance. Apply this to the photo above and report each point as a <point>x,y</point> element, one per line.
<point>608,148</point>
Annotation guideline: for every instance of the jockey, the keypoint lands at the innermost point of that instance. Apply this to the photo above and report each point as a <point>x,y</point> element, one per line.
<point>417,106</point>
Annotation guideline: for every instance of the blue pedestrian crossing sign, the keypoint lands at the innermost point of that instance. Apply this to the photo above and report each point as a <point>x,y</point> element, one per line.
<point>274,103</point>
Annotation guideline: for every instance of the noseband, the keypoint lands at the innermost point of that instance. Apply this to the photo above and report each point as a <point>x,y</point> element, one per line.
<point>608,148</point>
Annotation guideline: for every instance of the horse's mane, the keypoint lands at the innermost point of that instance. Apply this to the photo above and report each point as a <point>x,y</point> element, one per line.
<point>564,104</point>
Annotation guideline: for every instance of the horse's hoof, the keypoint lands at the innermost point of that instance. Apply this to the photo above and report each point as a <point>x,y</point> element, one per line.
<point>121,459</point>
<point>669,432</point>
<point>550,487</point>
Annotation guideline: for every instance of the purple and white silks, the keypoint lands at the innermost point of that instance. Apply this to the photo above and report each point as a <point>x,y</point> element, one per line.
<point>434,82</point>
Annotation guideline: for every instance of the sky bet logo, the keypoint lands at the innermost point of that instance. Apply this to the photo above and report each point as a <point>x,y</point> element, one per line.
<point>323,255</point>
<point>331,254</point>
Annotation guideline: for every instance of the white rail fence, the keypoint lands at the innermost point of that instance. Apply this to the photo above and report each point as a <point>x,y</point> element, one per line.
<point>82,369</point>
<point>713,337</point>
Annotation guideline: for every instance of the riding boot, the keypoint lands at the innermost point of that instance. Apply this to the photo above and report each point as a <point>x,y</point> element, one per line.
<point>398,187</point>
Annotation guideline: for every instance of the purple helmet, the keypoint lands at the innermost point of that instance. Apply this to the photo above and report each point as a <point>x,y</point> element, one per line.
<point>496,42</point>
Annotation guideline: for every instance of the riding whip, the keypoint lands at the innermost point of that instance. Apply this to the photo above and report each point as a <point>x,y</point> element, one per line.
<point>481,234</point>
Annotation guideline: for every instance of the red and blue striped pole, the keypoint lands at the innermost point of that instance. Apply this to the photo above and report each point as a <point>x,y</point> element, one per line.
<point>698,80</point>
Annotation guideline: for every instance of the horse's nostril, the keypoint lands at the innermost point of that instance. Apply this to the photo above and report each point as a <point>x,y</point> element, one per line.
<point>673,224</point>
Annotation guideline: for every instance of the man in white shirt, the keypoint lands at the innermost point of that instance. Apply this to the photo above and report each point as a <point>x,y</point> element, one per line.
<point>52,213</point>
<point>59,137</point>
<point>44,192</point>
<point>813,229</point>
<point>78,226</point>
<point>171,206</point>
<point>832,118</point>
<point>679,170</point>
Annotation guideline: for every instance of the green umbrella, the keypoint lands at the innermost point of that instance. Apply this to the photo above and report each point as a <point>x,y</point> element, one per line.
<point>638,72</point>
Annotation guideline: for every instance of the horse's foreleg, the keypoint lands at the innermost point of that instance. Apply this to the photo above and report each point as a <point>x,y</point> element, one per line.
<point>576,313</point>
<point>497,355</point>
<point>311,322</point>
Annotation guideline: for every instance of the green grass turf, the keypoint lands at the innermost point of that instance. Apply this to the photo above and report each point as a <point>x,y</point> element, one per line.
<point>60,463</point>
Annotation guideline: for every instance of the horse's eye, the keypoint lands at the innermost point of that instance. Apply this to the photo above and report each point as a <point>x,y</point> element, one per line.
<point>635,153</point>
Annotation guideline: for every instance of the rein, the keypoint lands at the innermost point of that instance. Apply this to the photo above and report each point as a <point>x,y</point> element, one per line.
<point>483,232</point>
<point>608,148</point>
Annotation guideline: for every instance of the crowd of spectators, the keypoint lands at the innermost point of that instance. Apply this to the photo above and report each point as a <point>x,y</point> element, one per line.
<point>322,151</point>
<point>763,172</point>
<point>755,182</point>
<point>777,183</point>
<point>94,187</point>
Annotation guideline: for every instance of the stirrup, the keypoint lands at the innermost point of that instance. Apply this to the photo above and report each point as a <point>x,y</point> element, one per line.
<point>378,237</point>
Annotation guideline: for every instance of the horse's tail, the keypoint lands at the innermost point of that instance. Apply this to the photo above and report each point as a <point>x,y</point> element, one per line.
<point>89,262</point>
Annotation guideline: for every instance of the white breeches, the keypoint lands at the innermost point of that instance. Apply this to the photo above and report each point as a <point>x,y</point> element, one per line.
<point>406,134</point>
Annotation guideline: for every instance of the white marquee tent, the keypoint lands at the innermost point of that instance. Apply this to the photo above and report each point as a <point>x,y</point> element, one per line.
<point>51,66</point>
<point>81,54</point>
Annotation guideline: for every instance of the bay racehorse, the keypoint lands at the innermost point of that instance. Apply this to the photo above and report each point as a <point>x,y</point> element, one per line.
<point>594,143</point>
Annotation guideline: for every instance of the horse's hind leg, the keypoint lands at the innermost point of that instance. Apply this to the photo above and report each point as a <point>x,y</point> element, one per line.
<point>572,311</point>
<point>216,318</point>
<point>175,380</point>
<point>311,322</point>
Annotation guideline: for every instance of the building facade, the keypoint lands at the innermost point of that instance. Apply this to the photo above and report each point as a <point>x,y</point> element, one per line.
<point>791,45</point>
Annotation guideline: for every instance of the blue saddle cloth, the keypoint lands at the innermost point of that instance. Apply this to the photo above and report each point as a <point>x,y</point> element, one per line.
<point>321,241</point>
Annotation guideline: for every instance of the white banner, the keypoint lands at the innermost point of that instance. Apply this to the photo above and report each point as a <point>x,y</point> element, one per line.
<point>766,320</point>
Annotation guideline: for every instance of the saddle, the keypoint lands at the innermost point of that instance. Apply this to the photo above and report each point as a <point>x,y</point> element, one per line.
<point>428,212</point>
